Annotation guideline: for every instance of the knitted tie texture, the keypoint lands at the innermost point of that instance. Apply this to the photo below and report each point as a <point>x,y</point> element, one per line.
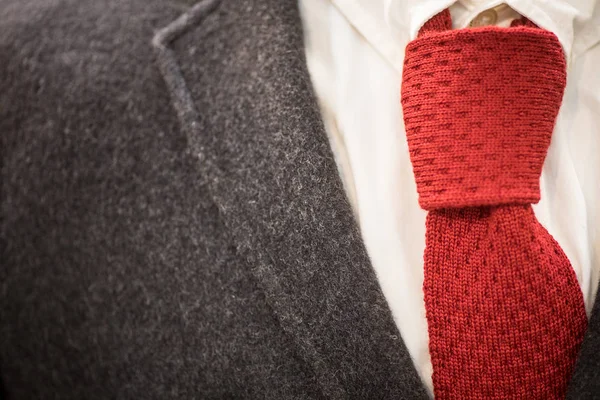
<point>505,313</point>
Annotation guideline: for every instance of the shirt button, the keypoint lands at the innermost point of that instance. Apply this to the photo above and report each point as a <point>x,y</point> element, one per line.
<point>487,17</point>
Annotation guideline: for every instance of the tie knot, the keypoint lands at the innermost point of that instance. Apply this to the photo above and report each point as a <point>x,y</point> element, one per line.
<point>479,109</point>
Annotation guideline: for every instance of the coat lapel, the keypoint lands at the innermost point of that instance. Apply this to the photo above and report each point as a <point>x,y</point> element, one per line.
<point>585,383</point>
<point>238,80</point>
<point>243,94</point>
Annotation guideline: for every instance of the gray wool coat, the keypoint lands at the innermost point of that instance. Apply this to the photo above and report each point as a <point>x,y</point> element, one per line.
<point>173,224</point>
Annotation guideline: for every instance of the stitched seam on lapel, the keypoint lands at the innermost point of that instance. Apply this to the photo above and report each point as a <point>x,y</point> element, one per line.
<point>169,68</point>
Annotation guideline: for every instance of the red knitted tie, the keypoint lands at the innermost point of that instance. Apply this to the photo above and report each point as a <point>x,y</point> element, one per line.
<point>505,313</point>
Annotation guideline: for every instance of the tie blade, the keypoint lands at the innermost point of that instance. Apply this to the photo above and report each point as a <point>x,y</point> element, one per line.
<point>505,313</point>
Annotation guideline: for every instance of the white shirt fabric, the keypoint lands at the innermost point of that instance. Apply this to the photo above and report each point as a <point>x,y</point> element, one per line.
<point>355,52</point>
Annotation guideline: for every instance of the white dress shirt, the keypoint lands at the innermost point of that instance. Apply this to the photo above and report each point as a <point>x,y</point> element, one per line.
<point>355,51</point>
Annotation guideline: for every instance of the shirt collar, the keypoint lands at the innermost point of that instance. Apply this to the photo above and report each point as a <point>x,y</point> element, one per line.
<point>389,24</point>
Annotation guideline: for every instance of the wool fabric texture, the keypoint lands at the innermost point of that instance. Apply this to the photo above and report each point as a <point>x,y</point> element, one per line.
<point>150,253</point>
<point>505,314</point>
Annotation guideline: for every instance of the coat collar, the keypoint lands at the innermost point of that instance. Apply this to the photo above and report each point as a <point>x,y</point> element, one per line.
<point>238,81</point>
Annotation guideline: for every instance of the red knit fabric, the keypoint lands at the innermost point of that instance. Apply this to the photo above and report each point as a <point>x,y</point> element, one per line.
<point>505,313</point>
